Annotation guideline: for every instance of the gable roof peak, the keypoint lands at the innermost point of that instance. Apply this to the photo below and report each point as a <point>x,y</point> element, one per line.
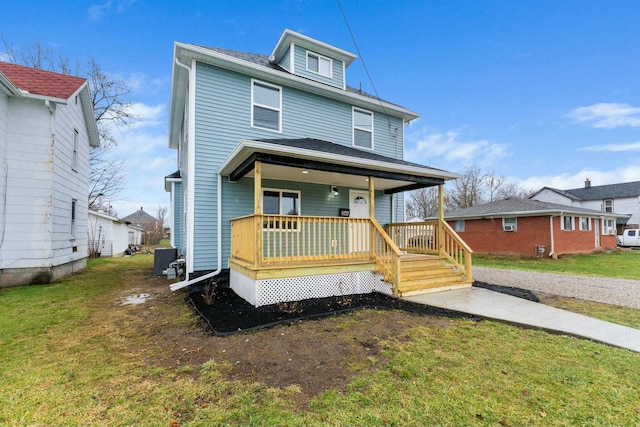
<point>40,82</point>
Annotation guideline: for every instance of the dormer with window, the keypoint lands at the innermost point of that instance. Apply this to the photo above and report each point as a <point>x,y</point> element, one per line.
<point>312,59</point>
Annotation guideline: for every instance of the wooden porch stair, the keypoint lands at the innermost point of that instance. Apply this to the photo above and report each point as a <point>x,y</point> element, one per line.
<point>425,273</point>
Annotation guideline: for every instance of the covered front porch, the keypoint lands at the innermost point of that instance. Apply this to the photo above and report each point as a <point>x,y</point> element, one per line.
<point>288,257</point>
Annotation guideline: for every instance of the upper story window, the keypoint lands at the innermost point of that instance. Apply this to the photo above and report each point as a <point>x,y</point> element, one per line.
<point>319,64</point>
<point>567,223</point>
<point>362,128</point>
<point>74,155</point>
<point>510,224</point>
<point>607,206</point>
<point>266,106</point>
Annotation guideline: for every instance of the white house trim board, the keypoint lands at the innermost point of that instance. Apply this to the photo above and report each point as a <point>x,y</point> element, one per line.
<point>246,147</point>
<point>191,169</point>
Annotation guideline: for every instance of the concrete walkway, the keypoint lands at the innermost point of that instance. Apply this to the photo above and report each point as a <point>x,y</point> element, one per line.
<point>494,305</point>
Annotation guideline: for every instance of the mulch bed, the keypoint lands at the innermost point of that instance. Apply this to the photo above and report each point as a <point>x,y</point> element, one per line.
<point>225,313</point>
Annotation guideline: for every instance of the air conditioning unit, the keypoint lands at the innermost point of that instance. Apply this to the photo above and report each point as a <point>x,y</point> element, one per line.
<point>612,232</point>
<point>509,227</point>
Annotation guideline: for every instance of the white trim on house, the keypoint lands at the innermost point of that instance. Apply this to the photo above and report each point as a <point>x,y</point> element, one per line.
<point>249,146</point>
<point>255,83</point>
<point>354,127</point>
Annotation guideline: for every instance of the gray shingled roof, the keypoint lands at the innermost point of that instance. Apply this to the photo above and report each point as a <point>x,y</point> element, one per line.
<point>521,207</point>
<point>263,60</point>
<point>611,191</point>
<point>333,148</point>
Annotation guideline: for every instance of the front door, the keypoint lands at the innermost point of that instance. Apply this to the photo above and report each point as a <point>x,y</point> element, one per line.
<point>359,233</point>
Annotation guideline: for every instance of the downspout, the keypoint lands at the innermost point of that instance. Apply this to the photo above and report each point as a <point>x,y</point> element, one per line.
<point>189,282</point>
<point>185,283</point>
<point>553,248</point>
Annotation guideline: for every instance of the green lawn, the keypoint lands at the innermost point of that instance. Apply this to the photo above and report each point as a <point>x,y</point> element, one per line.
<point>71,355</point>
<point>623,264</point>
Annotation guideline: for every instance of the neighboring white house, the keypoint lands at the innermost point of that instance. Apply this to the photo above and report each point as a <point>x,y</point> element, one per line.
<point>47,127</point>
<point>110,236</point>
<point>622,198</point>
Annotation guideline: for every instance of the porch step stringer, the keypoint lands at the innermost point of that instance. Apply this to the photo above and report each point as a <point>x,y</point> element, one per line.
<point>423,274</point>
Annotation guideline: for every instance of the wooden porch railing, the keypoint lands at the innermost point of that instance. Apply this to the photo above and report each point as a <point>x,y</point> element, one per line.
<point>433,237</point>
<point>262,240</point>
<point>267,239</point>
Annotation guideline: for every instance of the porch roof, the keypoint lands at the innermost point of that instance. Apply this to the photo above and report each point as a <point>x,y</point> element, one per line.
<point>324,162</point>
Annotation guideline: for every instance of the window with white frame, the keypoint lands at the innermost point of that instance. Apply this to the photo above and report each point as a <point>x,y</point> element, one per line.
<point>362,128</point>
<point>74,155</point>
<point>585,223</point>
<point>510,224</point>
<point>567,223</point>
<point>74,202</point>
<point>266,106</point>
<point>608,227</point>
<point>280,202</point>
<point>458,225</point>
<point>319,64</point>
<point>607,205</point>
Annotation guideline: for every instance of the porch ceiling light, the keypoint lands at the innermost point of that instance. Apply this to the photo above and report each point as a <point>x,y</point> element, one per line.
<point>334,190</point>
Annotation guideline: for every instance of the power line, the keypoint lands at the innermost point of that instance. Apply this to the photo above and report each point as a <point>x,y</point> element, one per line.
<point>366,70</point>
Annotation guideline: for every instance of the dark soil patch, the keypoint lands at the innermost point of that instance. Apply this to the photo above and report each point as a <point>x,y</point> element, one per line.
<point>509,290</point>
<point>226,313</point>
<point>316,345</point>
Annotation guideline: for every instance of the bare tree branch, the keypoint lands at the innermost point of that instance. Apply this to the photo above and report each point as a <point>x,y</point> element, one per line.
<point>110,107</point>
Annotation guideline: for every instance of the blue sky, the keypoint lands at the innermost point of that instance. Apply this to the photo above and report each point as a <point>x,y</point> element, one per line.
<point>544,93</point>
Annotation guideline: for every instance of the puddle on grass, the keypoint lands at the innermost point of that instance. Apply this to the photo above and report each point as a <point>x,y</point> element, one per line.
<point>136,299</point>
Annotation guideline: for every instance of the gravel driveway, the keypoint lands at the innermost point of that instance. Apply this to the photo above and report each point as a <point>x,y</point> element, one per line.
<point>600,289</point>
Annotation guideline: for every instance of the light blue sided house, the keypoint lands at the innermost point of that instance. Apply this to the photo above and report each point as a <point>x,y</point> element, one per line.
<point>292,182</point>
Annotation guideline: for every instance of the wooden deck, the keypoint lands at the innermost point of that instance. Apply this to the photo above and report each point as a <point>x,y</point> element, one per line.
<point>412,258</point>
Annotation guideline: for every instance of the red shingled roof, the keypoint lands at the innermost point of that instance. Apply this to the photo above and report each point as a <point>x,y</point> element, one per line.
<point>40,82</point>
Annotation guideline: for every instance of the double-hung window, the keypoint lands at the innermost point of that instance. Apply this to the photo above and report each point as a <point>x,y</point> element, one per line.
<point>585,223</point>
<point>74,203</point>
<point>74,154</point>
<point>280,202</point>
<point>607,205</point>
<point>608,227</point>
<point>319,64</point>
<point>266,106</point>
<point>567,223</point>
<point>362,128</point>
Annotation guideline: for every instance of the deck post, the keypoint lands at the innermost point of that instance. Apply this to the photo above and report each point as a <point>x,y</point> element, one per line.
<point>440,219</point>
<point>372,215</point>
<point>257,203</point>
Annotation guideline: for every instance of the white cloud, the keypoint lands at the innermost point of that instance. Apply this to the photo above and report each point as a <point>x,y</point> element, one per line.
<point>632,146</point>
<point>450,150</point>
<point>607,115</point>
<point>97,11</point>
<point>567,181</point>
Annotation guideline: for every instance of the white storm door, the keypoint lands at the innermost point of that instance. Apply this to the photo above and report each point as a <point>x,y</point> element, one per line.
<point>359,233</point>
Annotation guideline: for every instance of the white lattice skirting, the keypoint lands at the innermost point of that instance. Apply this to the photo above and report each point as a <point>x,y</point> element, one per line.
<point>272,291</point>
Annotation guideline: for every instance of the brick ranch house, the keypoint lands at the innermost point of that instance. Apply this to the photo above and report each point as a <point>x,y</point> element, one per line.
<point>533,228</point>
